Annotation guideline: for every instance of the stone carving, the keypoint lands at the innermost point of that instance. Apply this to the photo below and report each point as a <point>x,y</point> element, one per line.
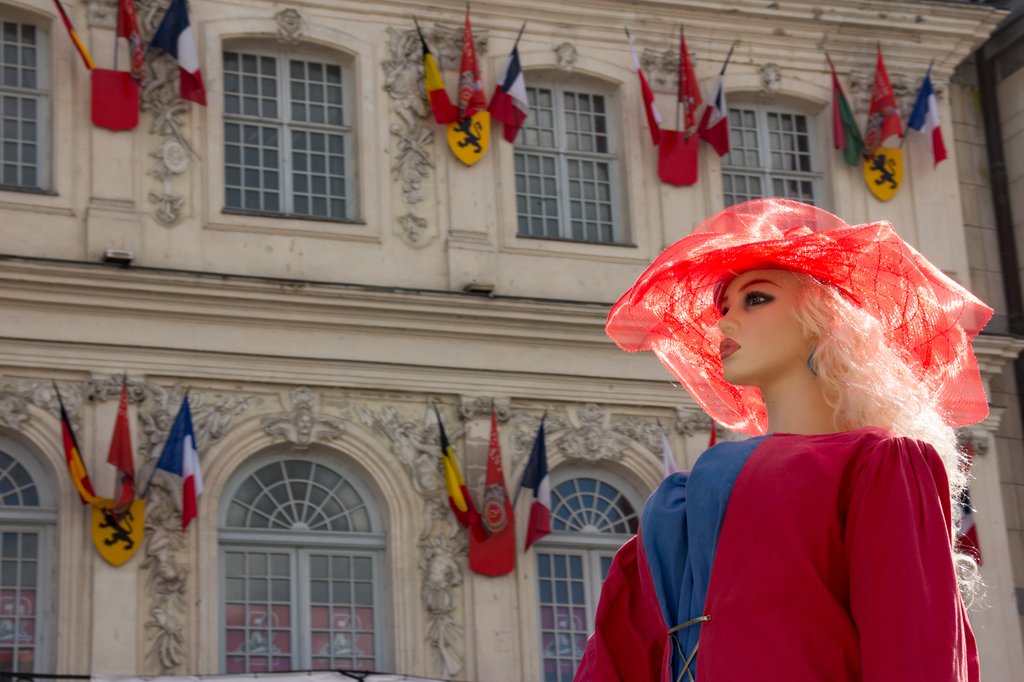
<point>771,80</point>
<point>166,573</point>
<point>662,67</point>
<point>645,431</point>
<point>403,81</point>
<point>13,410</point>
<point>524,432</point>
<point>691,421</point>
<point>43,395</point>
<point>446,43</point>
<point>302,426</point>
<point>103,388</point>
<point>289,26</point>
<point>471,407</point>
<point>903,86</point>
<point>592,440</point>
<point>566,56</point>
<point>416,447</point>
<point>102,13</point>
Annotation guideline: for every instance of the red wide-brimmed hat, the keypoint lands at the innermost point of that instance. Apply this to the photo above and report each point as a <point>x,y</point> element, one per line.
<point>927,317</point>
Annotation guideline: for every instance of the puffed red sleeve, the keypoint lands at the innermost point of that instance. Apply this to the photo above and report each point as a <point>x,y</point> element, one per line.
<point>904,597</point>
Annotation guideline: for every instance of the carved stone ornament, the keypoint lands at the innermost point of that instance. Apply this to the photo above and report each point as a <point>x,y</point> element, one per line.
<point>862,82</point>
<point>303,426</point>
<point>566,56</point>
<point>771,80</point>
<point>643,430</point>
<point>445,42</point>
<point>13,410</point>
<point>19,394</point>
<point>108,387</point>
<point>471,407</point>
<point>691,421</point>
<point>289,26</point>
<point>413,135</point>
<point>102,13</point>
<point>662,67</point>
<point>416,445</point>
<point>166,570</point>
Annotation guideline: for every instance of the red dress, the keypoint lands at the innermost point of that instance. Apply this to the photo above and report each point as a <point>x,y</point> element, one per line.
<point>833,564</point>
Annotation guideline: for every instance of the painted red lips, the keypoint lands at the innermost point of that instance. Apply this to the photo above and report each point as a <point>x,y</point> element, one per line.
<point>727,348</point>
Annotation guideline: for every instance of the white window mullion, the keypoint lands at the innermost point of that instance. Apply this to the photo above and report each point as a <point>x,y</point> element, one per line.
<point>303,657</point>
<point>285,160</point>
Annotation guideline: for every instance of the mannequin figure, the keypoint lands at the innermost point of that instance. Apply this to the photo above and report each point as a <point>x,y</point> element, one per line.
<point>821,548</point>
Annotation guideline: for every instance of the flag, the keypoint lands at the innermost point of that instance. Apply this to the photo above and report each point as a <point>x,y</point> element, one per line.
<point>925,118</point>
<point>493,552</point>
<point>714,124</point>
<point>668,459</point>
<point>471,97</point>
<point>713,437</point>
<point>458,494</point>
<point>175,37</point>
<point>967,535</point>
<point>845,133</point>
<point>535,477</point>
<point>678,156</point>
<point>128,27</point>
<point>440,105</point>
<point>883,116</point>
<point>650,108</point>
<point>84,53</point>
<point>689,89</point>
<point>509,103</point>
<point>120,454</point>
<point>76,467</point>
<point>180,457</point>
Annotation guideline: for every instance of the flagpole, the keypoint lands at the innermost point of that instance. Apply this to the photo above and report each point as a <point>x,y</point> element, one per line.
<point>727,58</point>
<point>679,87</point>
<point>519,35</point>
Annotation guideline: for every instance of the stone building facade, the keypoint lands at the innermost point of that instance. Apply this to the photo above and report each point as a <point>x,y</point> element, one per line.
<point>315,268</point>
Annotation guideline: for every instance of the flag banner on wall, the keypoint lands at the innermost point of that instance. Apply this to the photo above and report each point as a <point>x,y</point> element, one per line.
<point>175,36</point>
<point>677,158</point>
<point>181,458</point>
<point>440,105</point>
<point>128,28</point>
<point>494,553</point>
<point>650,108</point>
<point>115,99</point>
<point>845,133</point>
<point>459,499</point>
<point>536,478</point>
<point>469,137</point>
<point>924,118</point>
<point>883,159</point>
<point>714,122</point>
<point>509,103</point>
<point>689,88</point>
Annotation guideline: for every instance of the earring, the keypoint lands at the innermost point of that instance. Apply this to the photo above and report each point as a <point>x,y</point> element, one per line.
<point>810,363</point>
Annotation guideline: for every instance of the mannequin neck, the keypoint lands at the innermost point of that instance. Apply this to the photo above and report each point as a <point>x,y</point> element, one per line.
<point>797,405</point>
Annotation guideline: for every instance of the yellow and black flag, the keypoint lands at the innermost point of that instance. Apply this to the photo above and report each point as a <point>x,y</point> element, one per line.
<point>441,106</point>
<point>458,494</point>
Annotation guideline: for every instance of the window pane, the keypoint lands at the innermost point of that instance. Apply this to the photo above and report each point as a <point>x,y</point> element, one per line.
<point>257,611</point>
<point>563,617</point>
<point>342,615</point>
<point>765,148</point>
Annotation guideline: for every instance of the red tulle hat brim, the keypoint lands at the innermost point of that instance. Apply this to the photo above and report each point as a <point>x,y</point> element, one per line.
<point>929,319</point>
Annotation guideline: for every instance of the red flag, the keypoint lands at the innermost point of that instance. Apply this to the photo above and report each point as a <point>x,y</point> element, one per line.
<point>120,454</point>
<point>471,87</point>
<point>494,552</point>
<point>713,438</point>
<point>677,158</point>
<point>650,108</point>
<point>689,89</point>
<point>714,124</point>
<point>115,99</point>
<point>883,116</point>
<point>128,27</point>
<point>509,103</point>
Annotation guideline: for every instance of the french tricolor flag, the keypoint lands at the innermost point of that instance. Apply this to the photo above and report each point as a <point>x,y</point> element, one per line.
<point>174,36</point>
<point>535,477</point>
<point>181,457</point>
<point>925,118</point>
<point>509,103</point>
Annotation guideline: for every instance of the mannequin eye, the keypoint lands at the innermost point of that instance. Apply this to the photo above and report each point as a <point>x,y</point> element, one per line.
<point>755,298</point>
<point>724,310</point>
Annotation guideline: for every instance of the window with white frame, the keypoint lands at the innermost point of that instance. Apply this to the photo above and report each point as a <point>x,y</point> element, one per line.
<point>301,564</point>
<point>772,154</point>
<point>566,167</point>
<point>591,517</point>
<point>289,144</point>
<point>24,106</point>
<point>28,516</point>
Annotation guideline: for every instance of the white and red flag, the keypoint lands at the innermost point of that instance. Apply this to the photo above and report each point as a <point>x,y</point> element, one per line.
<point>883,116</point>
<point>128,27</point>
<point>509,103</point>
<point>535,478</point>
<point>924,118</point>
<point>493,552</point>
<point>471,87</point>
<point>174,36</point>
<point>650,108</point>
<point>181,457</point>
<point>120,454</point>
<point>714,123</point>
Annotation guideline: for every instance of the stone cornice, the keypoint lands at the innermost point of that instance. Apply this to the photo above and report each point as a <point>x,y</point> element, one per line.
<point>995,352</point>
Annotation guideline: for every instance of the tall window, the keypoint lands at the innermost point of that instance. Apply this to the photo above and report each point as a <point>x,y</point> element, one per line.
<point>288,138</point>
<point>301,555</point>
<point>772,154</point>
<point>590,519</point>
<point>24,106</point>
<point>27,518</point>
<point>566,167</point>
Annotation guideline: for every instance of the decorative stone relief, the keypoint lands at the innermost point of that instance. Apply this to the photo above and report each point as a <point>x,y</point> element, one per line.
<point>102,13</point>
<point>905,87</point>
<point>524,432</point>
<point>446,43</point>
<point>662,67</point>
<point>566,56</point>
<point>403,81</point>
<point>593,440</point>
<point>771,80</point>
<point>471,407</point>
<point>302,426</point>
<point>43,395</point>
<point>13,410</point>
<point>441,544</point>
<point>289,26</point>
<point>645,431</point>
<point>108,387</point>
<point>166,571</point>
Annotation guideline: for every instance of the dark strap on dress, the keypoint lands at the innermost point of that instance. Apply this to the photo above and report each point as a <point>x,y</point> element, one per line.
<point>686,659</point>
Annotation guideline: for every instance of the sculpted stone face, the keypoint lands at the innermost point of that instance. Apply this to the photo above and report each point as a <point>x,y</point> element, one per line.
<point>763,342</point>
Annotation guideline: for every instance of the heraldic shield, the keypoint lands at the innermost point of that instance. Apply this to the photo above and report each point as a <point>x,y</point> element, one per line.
<point>469,137</point>
<point>117,536</point>
<point>883,171</point>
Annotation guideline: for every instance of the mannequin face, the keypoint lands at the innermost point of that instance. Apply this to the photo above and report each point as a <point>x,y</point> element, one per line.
<point>764,344</point>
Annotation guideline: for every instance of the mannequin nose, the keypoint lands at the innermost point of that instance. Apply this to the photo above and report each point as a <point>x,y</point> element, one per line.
<point>727,326</point>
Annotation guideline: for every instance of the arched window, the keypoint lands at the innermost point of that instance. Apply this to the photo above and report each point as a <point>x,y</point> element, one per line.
<point>301,554</point>
<point>772,154</point>
<point>567,164</point>
<point>591,517</point>
<point>28,517</point>
<point>289,140</point>
<point>24,102</point>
